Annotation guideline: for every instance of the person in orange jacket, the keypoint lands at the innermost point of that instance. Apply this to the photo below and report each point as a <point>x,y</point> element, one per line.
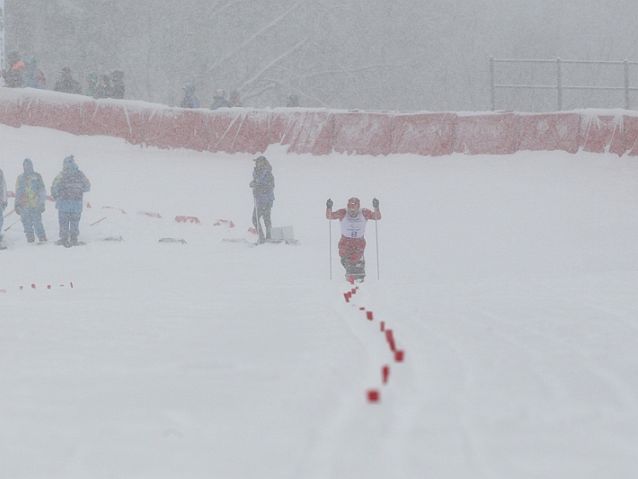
<point>352,244</point>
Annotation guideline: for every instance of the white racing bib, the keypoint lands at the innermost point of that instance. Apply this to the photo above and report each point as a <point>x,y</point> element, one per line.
<point>353,227</point>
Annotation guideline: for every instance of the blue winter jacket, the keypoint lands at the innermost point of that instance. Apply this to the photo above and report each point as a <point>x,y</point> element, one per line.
<point>263,185</point>
<point>69,187</point>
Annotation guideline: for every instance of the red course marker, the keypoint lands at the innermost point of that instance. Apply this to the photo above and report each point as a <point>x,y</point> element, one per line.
<point>370,315</point>
<point>385,373</point>
<point>373,395</point>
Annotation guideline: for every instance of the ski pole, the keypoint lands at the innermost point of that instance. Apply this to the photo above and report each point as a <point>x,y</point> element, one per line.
<point>376,232</point>
<point>330,245</point>
<point>10,213</point>
<point>98,221</point>
<point>11,225</point>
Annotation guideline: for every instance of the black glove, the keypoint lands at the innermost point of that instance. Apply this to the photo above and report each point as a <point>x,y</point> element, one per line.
<point>375,203</point>
<point>329,204</point>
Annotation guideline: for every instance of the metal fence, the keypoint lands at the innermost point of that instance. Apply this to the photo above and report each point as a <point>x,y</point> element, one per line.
<point>559,85</point>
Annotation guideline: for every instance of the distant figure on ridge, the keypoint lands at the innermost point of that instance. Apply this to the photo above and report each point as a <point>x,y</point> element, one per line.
<point>66,83</point>
<point>190,100</point>
<point>118,88</point>
<point>219,100</point>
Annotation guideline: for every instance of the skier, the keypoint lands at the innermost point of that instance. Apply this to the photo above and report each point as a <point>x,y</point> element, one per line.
<point>263,185</point>
<point>352,244</point>
<point>67,191</point>
<point>30,200</point>
<point>3,204</point>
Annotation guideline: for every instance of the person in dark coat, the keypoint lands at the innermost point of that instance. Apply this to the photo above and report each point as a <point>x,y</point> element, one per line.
<point>219,100</point>
<point>104,88</point>
<point>190,100</point>
<point>117,84</point>
<point>14,74</point>
<point>30,201</point>
<point>263,185</point>
<point>66,83</point>
<point>68,191</point>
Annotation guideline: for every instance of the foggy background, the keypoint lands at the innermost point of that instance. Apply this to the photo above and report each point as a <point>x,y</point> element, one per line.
<point>366,54</point>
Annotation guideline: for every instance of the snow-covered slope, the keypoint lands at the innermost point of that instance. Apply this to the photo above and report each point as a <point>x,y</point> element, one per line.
<point>509,282</point>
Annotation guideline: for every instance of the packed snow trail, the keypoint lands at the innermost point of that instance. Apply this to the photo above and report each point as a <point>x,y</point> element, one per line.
<point>509,283</point>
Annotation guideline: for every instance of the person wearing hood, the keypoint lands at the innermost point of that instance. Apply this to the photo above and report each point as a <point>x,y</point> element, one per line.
<point>219,100</point>
<point>190,100</point>
<point>3,203</point>
<point>68,191</point>
<point>30,201</point>
<point>263,185</point>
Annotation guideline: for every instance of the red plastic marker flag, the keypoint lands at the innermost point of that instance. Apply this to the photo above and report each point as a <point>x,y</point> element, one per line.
<point>373,395</point>
<point>385,374</point>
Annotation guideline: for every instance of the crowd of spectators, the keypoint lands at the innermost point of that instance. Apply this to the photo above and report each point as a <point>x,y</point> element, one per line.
<point>23,72</point>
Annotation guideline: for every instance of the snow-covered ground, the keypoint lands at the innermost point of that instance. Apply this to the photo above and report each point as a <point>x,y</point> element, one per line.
<point>510,282</point>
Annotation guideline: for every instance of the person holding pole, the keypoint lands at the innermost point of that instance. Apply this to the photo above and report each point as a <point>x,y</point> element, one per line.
<point>263,186</point>
<point>352,244</point>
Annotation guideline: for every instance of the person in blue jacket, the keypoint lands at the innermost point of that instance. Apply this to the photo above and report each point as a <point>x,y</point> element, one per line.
<point>68,191</point>
<point>30,201</point>
<point>263,185</point>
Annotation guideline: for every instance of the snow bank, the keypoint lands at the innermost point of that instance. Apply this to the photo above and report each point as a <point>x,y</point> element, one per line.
<point>322,131</point>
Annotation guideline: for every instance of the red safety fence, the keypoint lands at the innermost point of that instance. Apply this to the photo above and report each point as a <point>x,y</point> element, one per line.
<point>320,132</point>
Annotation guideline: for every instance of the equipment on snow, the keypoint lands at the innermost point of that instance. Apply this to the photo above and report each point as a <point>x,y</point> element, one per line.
<point>172,240</point>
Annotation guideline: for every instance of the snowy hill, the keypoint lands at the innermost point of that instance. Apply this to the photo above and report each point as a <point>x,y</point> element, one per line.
<point>509,282</point>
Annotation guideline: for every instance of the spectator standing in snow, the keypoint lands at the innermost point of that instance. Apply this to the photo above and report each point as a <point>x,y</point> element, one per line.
<point>68,191</point>
<point>190,100</point>
<point>117,84</point>
<point>66,83</point>
<point>13,75</point>
<point>293,101</point>
<point>91,84</point>
<point>3,202</point>
<point>263,185</point>
<point>235,99</point>
<point>30,202</point>
<point>33,76</point>
<point>219,100</point>
<point>103,89</point>
<point>352,244</point>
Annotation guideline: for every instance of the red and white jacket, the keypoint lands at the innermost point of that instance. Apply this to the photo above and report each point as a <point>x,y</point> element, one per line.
<point>353,227</point>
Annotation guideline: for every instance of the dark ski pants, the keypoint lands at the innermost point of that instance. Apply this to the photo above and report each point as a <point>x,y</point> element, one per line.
<point>69,225</point>
<point>32,223</point>
<point>259,212</point>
